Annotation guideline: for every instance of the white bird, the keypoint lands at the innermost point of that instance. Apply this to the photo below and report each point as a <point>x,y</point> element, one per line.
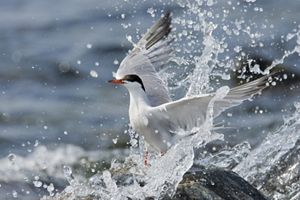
<point>153,115</point>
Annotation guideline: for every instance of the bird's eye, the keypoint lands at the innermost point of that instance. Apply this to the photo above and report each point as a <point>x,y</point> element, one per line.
<point>134,78</point>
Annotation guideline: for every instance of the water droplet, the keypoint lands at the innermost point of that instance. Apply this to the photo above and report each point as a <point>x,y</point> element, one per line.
<point>237,49</point>
<point>50,189</point>
<point>37,184</point>
<point>129,38</point>
<point>115,140</point>
<point>210,2</point>
<point>36,143</point>
<point>151,11</point>
<point>15,194</point>
<point>89,46</point>
<point>116,62</point>
<point>93,74</point>
<point>12,157</point>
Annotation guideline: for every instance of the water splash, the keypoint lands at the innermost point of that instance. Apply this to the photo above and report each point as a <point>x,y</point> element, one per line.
<point>139,182</point>
<point>273,167</point>
<point>296,49</point>
<point>227,158</point>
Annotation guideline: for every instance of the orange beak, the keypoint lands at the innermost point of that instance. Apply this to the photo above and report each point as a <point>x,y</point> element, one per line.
<point>116,81</point>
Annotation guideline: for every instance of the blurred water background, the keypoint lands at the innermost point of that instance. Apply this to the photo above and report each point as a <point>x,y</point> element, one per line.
<point>56,107</point>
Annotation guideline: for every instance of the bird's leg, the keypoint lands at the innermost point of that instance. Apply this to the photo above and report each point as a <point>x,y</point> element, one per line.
<point>146,158</point>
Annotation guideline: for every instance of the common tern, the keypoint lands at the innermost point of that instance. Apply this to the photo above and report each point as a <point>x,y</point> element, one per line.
<point>152,113</point>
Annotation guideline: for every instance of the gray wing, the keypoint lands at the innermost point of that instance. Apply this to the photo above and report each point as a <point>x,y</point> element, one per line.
<point>188,113</point>
<point>240,93</point>
<point>149,55</point>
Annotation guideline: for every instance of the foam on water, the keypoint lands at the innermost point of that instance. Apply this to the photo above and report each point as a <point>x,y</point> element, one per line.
<point>47,162</point>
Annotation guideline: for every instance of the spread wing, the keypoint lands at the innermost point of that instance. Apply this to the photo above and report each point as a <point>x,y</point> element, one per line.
<point>149,55</point>
<point>188,113</point>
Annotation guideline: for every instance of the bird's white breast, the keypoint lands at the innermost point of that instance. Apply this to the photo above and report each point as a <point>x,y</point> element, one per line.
<point>152,126</point>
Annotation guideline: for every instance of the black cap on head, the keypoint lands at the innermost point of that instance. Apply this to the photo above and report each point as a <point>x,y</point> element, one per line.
<point>134,78</point>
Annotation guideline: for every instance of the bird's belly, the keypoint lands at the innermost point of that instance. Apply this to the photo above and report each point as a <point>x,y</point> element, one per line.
<point>153,134</point>
<point>139,122</point>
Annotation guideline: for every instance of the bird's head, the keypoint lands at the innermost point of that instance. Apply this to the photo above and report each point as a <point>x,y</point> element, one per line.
<point>130,81</point>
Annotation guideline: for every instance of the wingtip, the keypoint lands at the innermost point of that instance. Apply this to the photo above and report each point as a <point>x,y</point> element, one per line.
<point>161,29</point>
<point>168,14</point>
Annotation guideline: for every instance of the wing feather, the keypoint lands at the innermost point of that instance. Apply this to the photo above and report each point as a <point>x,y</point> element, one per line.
<point>240,93</point>
<point>190,112</point>
<point>150,54</point>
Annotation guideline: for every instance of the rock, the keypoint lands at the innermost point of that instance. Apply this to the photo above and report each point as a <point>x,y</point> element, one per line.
<point>215,184</point>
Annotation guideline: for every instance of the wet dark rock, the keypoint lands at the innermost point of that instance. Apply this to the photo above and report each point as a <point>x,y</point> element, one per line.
<point>215,184</point>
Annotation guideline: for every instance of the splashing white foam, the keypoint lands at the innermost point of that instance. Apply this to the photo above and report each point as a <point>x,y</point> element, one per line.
<point>277,157</point>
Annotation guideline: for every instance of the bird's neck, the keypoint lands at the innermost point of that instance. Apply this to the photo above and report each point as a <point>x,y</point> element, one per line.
<point>138,100</point>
